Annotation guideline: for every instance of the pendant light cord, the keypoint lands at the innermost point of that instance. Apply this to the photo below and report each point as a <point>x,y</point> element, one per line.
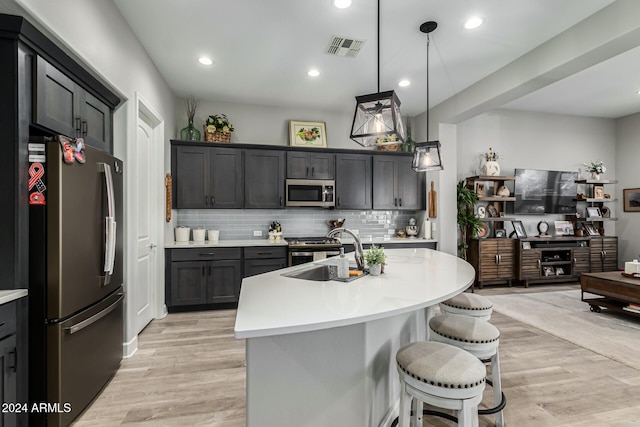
<point>378,46</point>
<point>428,42</point>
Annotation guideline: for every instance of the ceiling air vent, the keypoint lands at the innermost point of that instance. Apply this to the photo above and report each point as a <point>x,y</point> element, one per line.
<point>344,46</point>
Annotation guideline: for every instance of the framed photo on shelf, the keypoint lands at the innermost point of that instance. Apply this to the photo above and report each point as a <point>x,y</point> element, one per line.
<point>563,228</point>
<point>480,189</point>
<point>518,228</point>
<point>631,199</point>
<point>548,271</point>
<point>559,271</point>
<point>484,231</point>
<point>605,211</point>
<point>591,229</point>
<point>492,212</point>
<point>482,212</point>
<point>593,212</point>
<point>598,191</point>
<point>526,245</point>
<point>307,134</point>
<point>500,233</point>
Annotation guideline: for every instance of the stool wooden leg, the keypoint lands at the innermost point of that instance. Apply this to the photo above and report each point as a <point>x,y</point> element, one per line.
<point>416,408</point>
<point>497,387</point>
<point>429,312</point>
<point>405,406</point>
<point>468,414</point>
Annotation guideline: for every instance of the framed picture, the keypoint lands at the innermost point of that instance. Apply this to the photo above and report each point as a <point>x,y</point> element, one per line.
<point>526,245</point>
<point>307,134</point>
<point>481,212</point>
<point>598,191</point>
<point>563,228</point>
<point>605,211</point>
<point>500,233</point>
<point>485,230</point>
<point>593,212</point>
<point>631,199</point>
<point>548,271</point>
<point>559,271</point>
<point>591,229</point>
<point>518,228</point>
<point>480,189</point>
<point>492,212</point>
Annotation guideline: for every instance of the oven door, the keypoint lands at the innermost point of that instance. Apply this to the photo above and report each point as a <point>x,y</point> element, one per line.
<point>297,257</point>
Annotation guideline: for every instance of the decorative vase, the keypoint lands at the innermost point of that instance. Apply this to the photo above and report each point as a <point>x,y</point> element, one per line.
<point>491,168</point>
<point>375,270</point>
<point>595,176</point>
<point>190,133</point>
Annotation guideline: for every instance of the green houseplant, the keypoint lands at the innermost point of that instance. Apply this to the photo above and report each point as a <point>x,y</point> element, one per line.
<point>468,223</point>
<point>375,258</point>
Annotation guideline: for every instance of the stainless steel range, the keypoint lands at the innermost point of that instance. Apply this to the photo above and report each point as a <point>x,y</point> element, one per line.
<point>307,249</point>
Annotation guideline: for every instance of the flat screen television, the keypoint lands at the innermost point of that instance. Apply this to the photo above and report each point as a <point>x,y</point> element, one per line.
<point>545,192</point>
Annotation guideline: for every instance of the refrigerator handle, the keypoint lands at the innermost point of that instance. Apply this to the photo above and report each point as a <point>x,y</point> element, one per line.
<point>110,224</point>
<point>93,319</point>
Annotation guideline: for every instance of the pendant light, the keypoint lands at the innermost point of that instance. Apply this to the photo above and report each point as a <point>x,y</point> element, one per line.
<point>427,154</point>
<point>377,119</point>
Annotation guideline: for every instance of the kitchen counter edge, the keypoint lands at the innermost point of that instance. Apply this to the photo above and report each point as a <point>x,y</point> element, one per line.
<point>7,296</point>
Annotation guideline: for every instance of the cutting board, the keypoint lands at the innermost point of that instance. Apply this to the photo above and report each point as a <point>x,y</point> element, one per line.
<point>433,202</point>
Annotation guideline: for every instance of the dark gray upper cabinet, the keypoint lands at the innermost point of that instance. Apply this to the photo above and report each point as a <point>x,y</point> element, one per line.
<point>65,107</point>
<point>264,174</point>
<point>207,178</point>
<point>305,165</point>
<point>353,181</point>
<point>396,185</point>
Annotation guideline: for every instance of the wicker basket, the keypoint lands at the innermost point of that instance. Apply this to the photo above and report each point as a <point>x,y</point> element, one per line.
<point>390,147</point>
<point>216,136</point>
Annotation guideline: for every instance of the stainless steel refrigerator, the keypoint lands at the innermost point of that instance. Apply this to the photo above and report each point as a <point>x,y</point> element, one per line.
<point>76,276</point>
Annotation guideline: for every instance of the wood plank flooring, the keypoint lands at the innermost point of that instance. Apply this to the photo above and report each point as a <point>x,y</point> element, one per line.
<point>190,371</point>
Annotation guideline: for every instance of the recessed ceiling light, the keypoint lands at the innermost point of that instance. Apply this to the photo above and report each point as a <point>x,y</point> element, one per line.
<point>404,83</point>
<point>342,4</point>
<point>205,60</point>
<point>313,73</point>
<point>473,22</point>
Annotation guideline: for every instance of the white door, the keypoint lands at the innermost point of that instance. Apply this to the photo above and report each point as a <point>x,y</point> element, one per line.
<point>146,246</point>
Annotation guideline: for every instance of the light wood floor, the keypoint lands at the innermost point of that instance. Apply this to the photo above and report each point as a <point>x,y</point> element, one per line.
<point>189,371</point>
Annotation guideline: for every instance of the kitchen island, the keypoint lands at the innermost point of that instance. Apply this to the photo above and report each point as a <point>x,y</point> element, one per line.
<point>323,353</point>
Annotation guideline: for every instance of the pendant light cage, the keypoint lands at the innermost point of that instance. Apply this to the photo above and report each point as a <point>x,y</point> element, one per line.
<point>427,156</point>
<point>377,120</point>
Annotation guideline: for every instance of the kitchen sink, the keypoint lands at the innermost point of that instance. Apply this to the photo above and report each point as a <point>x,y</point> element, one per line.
<point>321,273</point>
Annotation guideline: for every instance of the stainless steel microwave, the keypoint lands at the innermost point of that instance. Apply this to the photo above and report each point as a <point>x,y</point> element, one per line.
<point>310,192</point>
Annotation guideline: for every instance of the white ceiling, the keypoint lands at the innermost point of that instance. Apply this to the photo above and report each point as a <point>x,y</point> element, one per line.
<point>262,50</point>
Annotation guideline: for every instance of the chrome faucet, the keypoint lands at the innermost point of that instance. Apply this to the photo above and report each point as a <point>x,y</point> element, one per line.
<point>359,254</point>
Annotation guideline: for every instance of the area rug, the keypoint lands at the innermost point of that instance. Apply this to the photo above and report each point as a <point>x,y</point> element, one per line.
<point>563,314</point>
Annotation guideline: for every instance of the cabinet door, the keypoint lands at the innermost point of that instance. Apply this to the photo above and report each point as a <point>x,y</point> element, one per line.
<point>223,283</point>
<point>226,179</point>
<point>580,261</point>
<point>353,181</point>
<point>264,179</point>
<point>96,122</point>
<point>506,258</point>
<point>488,260</point>
<point>8,353</point>
<point>610,251</point>
<point>188,283</point>
<point>253,267</point>
<point>321,166</point>
<point>192,177</point>
<point>411,190</point>
<point>384,183</point>
<point>530,264</point>
<point>56,105</point>
<point>297,167</point>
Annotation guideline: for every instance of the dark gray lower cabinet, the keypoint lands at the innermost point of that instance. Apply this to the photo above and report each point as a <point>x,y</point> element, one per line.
<point>9,356</point>
<point>204,276</point>
<point>258,260</point>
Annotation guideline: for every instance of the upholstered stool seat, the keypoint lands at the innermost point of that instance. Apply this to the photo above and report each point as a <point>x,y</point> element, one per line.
<point>468,304</point>
<point>481,339</point>
<point>441,375</point>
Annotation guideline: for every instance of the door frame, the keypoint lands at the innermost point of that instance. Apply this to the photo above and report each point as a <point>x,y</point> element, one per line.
<point>142,111</point>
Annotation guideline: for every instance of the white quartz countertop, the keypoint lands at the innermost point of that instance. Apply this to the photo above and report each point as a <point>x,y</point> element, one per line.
<point>271,304</point>
<point>382,240</point>
<point>12,295</point>
<point>225,244</point>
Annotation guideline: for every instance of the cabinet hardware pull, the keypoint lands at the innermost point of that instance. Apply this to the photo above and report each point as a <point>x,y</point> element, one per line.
<point>14,351</point>
<point>213,200</point>
<point>209,270</point>
<point>539,264</point>
<point>84,128</point>
<point>499,259</point>
<point>400,199</point>
<point>313,171</point>
<point>280,200</point>
<point>1,324</point>
<point>395,202</point>
<point>78,119</point>
<point>307,172</point>
<point>203,270</point>
<point>495,259</point>
<point>338,201</point>
<point>206,200</point>
<point>575,261</point>
<point>208,254</point>
<point>264,253</point>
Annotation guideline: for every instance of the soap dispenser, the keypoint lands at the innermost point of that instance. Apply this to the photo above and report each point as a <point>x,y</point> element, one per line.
<point>343,265</point>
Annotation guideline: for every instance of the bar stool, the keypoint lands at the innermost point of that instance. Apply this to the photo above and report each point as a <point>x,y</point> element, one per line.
<point>441,375</point>
<point>481,339</point>
<point>469,305</point>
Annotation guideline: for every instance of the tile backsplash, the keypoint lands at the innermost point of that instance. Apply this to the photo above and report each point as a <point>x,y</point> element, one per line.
<point>239,224</point>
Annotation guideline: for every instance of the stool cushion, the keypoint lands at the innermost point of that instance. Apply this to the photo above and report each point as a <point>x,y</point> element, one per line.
<point>468,301</point>
<point>441,365</point>
<point>464,328</point>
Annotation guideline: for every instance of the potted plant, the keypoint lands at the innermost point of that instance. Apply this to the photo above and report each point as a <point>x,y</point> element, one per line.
<point>468,223</point>
<point>596,169</point>
<point>217,128</point>
<point>375,258</point>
